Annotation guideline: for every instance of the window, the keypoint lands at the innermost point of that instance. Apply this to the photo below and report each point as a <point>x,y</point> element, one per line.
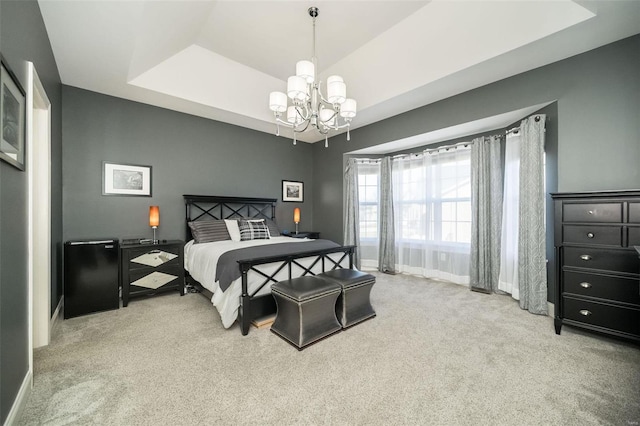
<point>432,197</point>
<point>432,209</point>
<point>368,196</point>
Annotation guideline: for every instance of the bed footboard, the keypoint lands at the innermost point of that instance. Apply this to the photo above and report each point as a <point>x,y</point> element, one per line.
<point>253,306</point>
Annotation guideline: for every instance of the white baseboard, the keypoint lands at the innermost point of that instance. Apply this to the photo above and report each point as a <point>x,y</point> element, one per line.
<point>551,309</point>
<point>20,401</point>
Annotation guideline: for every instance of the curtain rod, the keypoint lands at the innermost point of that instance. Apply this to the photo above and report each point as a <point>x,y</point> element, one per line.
<point>431,150</point>
<point>368,160</point>
<point>517,129</point>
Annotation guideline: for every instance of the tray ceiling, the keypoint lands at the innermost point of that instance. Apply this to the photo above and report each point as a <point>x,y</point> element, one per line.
<point>220,59</point>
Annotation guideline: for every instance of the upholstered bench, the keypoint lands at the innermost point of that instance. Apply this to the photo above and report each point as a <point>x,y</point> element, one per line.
<point>306,310</point>
<point>353,305</point>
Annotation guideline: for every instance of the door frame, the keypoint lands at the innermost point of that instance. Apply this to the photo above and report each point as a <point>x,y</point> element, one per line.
<point>38,137</point>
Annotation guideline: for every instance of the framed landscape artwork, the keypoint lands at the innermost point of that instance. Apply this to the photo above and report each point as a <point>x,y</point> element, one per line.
<point>12,117</point>
<point>126,179</point>
<point>292,191</point>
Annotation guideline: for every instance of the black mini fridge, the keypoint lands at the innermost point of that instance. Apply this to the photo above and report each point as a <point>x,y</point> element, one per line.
<point>90,277</point>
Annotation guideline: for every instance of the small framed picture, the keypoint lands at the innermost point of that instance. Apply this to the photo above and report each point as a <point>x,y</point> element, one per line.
<point>12,117</point>
<point>292,191</point>
<point>126,179</point>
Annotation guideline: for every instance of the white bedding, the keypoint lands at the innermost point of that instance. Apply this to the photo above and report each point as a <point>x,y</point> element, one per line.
<point>201,260</point>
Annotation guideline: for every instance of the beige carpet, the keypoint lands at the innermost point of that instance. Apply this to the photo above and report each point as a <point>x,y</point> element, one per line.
<point>435,354</point>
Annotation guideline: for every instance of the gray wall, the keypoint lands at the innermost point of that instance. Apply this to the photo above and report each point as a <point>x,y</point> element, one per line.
<point>23,38</point>
<point>188,154</point>
<point>598,131</point>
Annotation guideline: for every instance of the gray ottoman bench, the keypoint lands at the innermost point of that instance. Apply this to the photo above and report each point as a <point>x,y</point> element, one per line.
<point>353,305</point>
<point>306,310</point>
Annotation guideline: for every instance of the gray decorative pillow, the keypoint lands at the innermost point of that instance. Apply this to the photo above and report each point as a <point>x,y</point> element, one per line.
<point>274,231</point>
<point>253,230</point>
<point>207,231</point>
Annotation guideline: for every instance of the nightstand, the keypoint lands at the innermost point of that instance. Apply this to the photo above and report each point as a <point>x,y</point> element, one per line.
<point>305,234</point>
<point>147,269</point>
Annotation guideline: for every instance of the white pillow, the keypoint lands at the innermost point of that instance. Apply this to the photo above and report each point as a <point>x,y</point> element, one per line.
<point>232,227</point>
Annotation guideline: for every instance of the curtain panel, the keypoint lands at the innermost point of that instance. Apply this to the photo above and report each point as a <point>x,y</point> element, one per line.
<point>532,274</point>
<point>351,208</point>
<point>387,249</point>
<point>486,207</point>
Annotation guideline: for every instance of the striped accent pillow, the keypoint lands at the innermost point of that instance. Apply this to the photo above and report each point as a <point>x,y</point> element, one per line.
<point>253,230</point>
<point>207,231</point>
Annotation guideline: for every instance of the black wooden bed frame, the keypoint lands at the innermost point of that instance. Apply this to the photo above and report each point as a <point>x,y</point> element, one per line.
<point>207,207</point>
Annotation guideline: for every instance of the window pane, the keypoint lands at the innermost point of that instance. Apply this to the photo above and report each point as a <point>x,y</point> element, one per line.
<point>464,232</point>
<point>464,211</point>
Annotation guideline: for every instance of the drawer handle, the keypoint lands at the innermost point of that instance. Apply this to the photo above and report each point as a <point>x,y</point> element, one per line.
<point>585,257</point>
<point>590,211</point>
<point>585,312</point>
<point>585,285</point>
<point>590,235</point>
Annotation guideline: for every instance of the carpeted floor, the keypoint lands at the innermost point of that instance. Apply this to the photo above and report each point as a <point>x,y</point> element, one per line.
<point>436,353</point>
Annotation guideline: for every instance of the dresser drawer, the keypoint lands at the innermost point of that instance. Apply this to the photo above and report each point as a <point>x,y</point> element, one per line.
<point>605,259</point>
<point>154,258</point>
<point>626,320</point>
<point>593,234</point>
<point>634,236</point>
<point>592,212</point>
<point>634,212</point>
<point>620,289</point>
<point>154,279</point>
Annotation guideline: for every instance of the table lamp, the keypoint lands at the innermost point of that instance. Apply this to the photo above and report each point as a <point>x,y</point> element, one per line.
<point>296,217</point>
<point>154,220</point>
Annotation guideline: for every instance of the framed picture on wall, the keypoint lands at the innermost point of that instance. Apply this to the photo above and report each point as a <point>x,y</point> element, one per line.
<point>292,191</point>
<point>12,117</point>
<point>126,179</point>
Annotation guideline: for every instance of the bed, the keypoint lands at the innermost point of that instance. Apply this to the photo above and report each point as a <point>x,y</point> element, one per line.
<point>240,289</point>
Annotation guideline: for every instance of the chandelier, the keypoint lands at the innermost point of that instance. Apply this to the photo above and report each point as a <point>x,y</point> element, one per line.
<point>308,106</point>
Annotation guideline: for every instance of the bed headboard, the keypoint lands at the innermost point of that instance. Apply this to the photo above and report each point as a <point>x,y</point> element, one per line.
<point>210,207</point>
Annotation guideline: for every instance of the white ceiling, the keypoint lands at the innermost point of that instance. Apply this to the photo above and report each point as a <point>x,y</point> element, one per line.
<point>220,59</point>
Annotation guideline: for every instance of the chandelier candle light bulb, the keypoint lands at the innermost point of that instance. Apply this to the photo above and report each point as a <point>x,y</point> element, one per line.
<point>310,108</point>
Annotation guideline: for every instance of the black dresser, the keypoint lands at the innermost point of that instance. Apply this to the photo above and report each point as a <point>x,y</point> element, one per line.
<point>148,269</point>
<point>597,267</point>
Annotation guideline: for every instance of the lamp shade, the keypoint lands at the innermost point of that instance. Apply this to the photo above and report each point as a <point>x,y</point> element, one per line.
<point>306,70</point>
<point>296,215</point>
<point>336,90</point>
<point>277,101</point>
<point>292,115</point>
<point>297,88</point>
<point>327,116</point>
<point>348,108</point>
<point>154,216</point>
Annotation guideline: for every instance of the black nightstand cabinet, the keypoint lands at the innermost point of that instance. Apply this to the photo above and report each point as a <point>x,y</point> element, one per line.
<point>305,234</point>
<point>597,268</point>
<point>147,269</point>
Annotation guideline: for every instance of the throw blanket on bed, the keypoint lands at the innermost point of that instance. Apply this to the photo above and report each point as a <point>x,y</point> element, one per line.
<point>228,269</point>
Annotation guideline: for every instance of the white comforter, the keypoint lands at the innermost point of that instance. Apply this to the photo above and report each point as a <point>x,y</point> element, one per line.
<point>201,260</point>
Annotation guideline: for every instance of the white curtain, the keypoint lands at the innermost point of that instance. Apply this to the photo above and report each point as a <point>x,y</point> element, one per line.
<point>432,206</point>
<point>508,281</point>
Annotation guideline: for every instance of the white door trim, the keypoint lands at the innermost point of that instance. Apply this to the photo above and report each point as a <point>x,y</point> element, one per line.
<point>38,137</point>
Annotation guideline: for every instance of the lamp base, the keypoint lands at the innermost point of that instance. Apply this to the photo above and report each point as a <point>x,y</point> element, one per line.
<point>296,228</point>
<point>155,241</point>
